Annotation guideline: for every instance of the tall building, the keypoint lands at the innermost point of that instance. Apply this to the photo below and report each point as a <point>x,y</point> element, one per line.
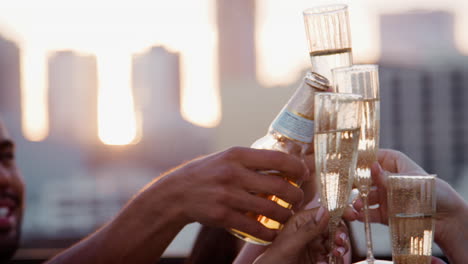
<point>166,138</point>
<point>10,90</point>
<point>247,107</point>
<point>423,87</point>
<point>156,84</point>
<point>236,40</point>
<point>73,97</point>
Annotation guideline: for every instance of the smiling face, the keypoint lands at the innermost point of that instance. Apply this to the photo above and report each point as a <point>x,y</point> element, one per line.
<point>11,197</point>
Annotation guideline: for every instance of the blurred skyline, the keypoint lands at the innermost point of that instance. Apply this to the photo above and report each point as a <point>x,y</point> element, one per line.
<point>188,28</point>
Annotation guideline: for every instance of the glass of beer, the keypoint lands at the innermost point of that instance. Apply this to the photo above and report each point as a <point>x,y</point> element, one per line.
<point>337,129</point>
<point>363,79</point>
<point>411,207</point>
<point>328,37</point>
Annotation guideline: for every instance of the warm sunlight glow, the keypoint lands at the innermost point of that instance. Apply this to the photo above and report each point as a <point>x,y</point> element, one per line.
<point>280,41</point>
<point>33,97</point>
<point>113,32</point>
<point>117,124</point>
<point>201,105</point>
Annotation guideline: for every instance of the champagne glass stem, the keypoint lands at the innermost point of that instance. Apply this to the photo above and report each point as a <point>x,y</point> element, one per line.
<point>367,228</point>
<point>333,226</point>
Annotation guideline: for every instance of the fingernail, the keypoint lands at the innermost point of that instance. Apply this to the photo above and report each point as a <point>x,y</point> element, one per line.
<point>356,213</point>
<point>343,236</point>
<point>319,214</point>
<point>341,250</point>
<point>311,205</point>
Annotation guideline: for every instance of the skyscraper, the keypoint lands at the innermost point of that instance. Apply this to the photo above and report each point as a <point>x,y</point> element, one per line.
<point>247,106</point>
<point>73,97</point>
<point>156,84</point>
<point>166,138</point>
<point>236,38</point>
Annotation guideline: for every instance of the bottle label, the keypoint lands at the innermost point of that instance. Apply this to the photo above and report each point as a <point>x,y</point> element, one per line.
<point>294,126</point>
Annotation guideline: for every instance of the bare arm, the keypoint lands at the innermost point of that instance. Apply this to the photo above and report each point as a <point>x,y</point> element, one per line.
<point>215,190</point>
<point>139,234</point>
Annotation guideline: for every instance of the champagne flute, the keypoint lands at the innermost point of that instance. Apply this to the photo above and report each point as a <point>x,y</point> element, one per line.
<point>337,130</point>
<point>364,80</point>
<point>328,37</point>
<point>411,208</point>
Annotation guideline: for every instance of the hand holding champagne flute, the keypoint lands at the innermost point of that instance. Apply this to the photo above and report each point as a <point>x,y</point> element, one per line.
<point>337,129</point>
<point>451,227</point>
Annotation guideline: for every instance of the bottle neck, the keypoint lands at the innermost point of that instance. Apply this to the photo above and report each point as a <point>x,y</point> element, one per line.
<point>296,119</point>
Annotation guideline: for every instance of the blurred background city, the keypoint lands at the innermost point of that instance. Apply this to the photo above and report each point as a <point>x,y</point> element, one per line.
<point>103,96</point>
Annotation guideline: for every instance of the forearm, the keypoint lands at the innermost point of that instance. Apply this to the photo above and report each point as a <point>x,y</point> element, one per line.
<point>139,234</point>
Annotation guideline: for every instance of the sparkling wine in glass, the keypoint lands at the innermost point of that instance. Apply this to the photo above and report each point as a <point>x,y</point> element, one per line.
<point>336,138</point>
<point>328,38</point>
<point>363,79</point>
<point>411,208</point>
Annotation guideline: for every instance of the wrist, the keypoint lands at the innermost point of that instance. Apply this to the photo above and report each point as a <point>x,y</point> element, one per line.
<point>162,201</point>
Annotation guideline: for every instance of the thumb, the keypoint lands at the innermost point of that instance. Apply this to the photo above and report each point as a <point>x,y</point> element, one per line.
<point>379,176</point>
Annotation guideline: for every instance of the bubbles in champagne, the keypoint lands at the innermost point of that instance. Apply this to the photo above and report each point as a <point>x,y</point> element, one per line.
<point>368,143</point>
<point>336,154</point>
<point>412,236</point>
<point>411,259</point>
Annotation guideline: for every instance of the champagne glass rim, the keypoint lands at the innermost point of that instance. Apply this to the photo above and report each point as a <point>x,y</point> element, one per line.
<point>412,176</point>
<point>357,67</point>
<point>325,9</point>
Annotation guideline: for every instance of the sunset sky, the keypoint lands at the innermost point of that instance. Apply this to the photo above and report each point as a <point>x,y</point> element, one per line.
<point>114,30</point>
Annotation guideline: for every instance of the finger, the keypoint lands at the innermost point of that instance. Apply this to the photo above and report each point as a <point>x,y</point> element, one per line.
<point>270,184</point>
<point>241,222</point>
<point>341,239</point>
<point>397,162</point>
<point>375,216</point>
<point>310,163</point>
<point>303,228</point>
<point>339,252</point>
<point>387,159</point>
<point>261,159</point>
<point>373,198</point>
<point>318,219</point>
<point>310,194</point>
<point>258,204</point>
<point>435,260</point>
<point>378,175</point>
<point>350,214</point>
<point>358,205</point>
